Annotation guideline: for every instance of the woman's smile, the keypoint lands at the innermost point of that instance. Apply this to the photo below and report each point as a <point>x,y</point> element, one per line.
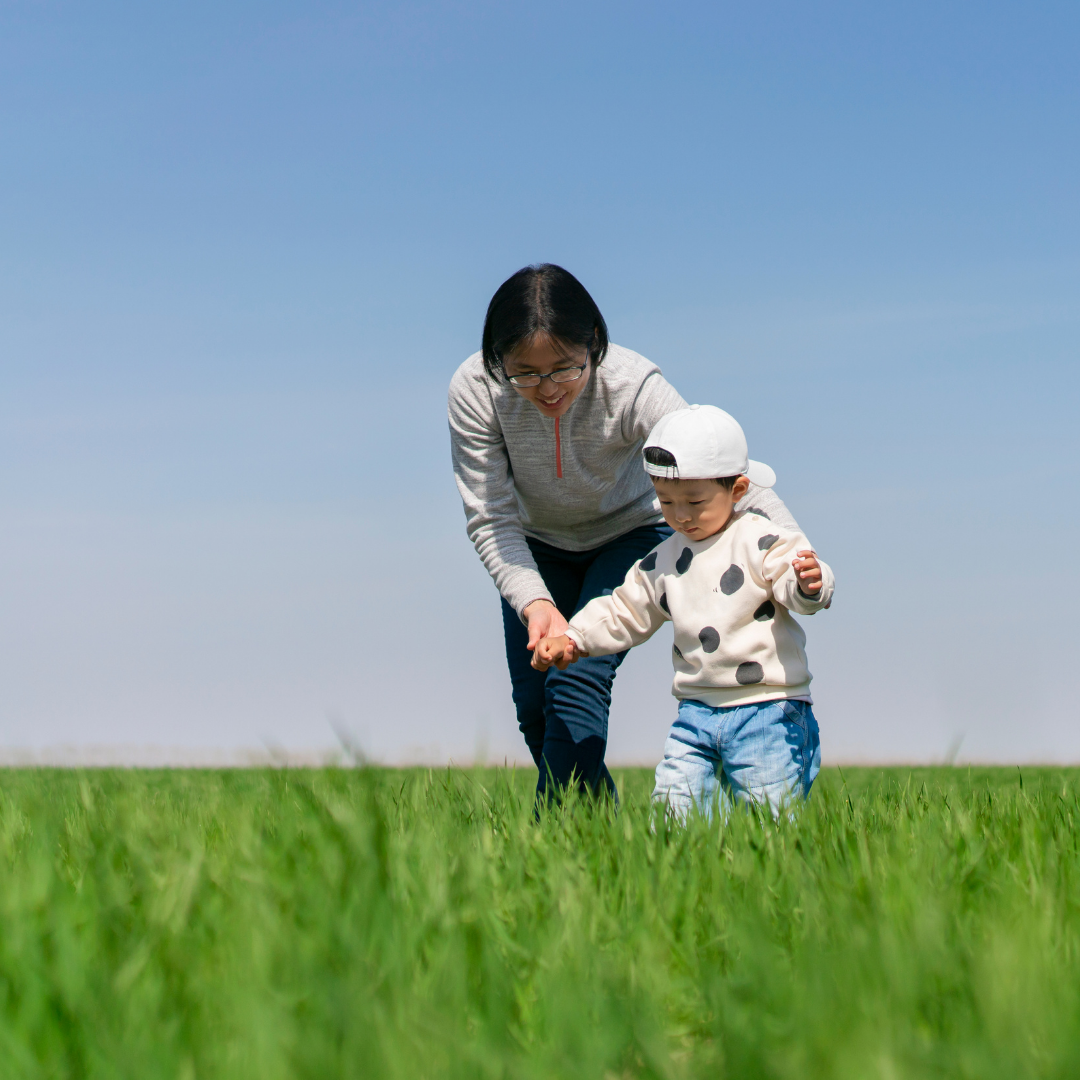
<point>552,404</point>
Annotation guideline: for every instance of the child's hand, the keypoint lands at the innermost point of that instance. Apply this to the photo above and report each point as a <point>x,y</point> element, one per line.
<point>560,651</point>
<point>808,573</point>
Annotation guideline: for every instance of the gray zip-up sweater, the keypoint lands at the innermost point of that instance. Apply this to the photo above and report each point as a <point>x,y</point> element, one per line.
<point>575,482</point>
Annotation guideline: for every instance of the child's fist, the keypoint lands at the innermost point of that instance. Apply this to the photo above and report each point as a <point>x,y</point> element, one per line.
<point>807,573</point>
<point>560,651</point>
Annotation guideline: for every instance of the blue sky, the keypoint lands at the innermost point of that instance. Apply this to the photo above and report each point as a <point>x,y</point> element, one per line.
<point>244,246</point>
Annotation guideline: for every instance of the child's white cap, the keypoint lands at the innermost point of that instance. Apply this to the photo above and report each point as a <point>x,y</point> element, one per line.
<point>706,443</point>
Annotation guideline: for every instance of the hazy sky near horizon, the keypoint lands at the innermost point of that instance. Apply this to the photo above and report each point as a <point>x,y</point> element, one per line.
<point>243,247</point>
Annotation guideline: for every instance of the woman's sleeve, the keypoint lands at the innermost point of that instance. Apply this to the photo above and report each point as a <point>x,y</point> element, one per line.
<point>482,471</point>
<point>656,397</point>
<point>768,504</point>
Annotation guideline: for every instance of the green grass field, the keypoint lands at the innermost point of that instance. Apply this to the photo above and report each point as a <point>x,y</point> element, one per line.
<point>382,923</point>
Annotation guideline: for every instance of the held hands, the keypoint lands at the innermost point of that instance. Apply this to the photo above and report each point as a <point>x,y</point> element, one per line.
<point>807,573</point>
<point>544,620</point>
<point>560,651</point>
<point>547,637</point>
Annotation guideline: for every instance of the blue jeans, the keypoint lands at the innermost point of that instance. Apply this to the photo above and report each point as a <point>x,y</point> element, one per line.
<point>766,754</point>
<point>564,714</point>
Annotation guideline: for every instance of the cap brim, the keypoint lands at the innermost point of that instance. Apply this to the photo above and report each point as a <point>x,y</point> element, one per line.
<point>759,473</point>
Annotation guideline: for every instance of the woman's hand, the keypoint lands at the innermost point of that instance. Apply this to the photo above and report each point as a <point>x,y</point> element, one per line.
<point>544,621</point>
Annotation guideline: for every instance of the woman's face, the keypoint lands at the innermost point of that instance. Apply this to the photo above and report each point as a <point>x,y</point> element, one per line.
<point>542,357</point>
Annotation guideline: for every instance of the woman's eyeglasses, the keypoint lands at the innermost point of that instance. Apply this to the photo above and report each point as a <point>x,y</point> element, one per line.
<point>570,374</point>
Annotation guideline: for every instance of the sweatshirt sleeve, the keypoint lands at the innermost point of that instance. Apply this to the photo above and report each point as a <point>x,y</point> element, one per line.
<point>482,471</point>
<point>629,616</point>
<point>776,568</point>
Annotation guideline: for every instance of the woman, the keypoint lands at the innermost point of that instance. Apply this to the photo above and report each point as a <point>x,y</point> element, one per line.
<point>547,424</point>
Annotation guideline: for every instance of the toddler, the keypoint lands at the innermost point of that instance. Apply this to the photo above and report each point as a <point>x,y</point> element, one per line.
<point>728,581</point>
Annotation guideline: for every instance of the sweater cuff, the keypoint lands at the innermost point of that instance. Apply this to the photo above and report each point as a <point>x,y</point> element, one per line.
<point>808,604</point>
<point>521,612</point>
<point>576,637</point>
<point>525,587</point>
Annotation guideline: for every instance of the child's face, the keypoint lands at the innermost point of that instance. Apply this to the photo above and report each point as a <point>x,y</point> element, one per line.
<point>698,508</point>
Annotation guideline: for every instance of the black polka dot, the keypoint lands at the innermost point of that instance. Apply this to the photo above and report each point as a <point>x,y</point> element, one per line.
<point>649,562</point>
<point>760,513</point>
<point>663,603</point>
<point>765,612</point>
<point>709,638</point>
<point>685,559</point>
<point>675,650</point>
<point>749,672</point>
<point>767,542</point>
<point>732,580</point>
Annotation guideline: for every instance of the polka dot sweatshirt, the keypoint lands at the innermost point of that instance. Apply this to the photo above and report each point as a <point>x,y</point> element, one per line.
<point>730,597</point>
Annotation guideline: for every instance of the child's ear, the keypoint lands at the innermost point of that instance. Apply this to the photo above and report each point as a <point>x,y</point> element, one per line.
<point>742,486</point>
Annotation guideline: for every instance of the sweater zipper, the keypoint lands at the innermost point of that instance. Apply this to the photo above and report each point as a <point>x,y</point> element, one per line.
<point>558,451</point>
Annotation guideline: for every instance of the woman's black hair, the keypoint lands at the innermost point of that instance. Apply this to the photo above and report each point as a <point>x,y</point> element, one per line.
<point>541,301</point>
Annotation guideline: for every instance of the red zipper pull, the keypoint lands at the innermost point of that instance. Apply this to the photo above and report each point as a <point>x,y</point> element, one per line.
<point>558,451</point>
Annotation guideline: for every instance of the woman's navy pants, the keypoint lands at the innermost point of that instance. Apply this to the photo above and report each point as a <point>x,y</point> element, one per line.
<point>564,714</point>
